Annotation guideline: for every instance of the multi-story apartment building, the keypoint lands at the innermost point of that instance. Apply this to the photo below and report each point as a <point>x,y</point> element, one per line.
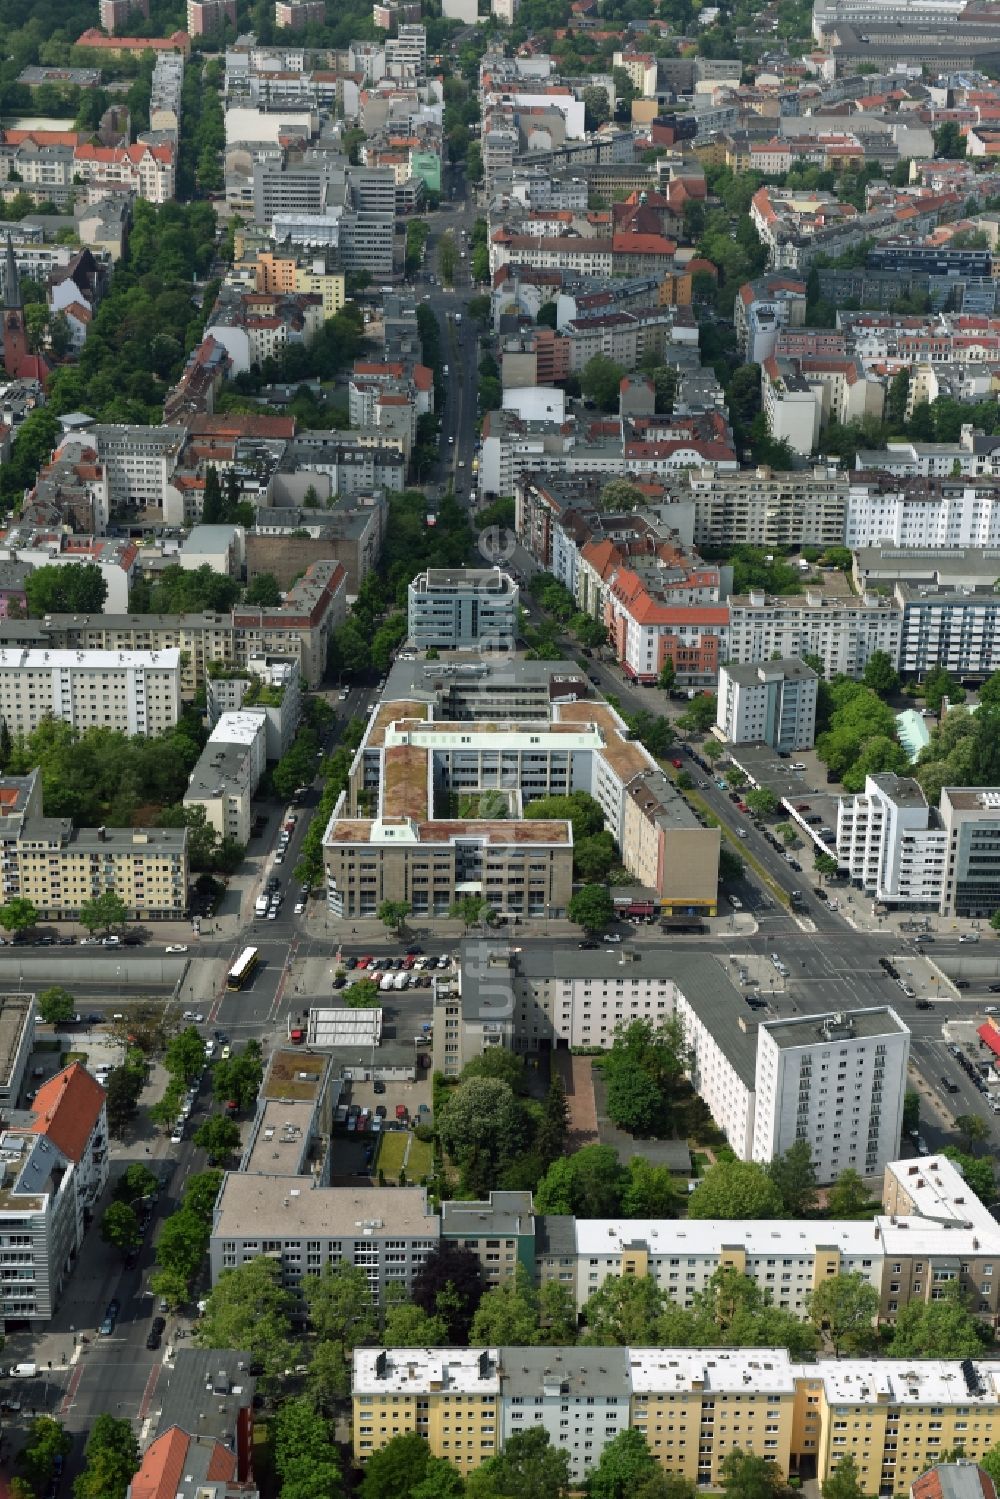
<point>278,272</point>
<point>693,1406</point>
<point>892,843</point>
<point>471,609</point>
<point>53,1169</point>
<point>500,1232</point>
<point>386,1231</point>
<point>843,632</point>
<point>762,308</point>
<point>148,171</point>
<point>115,13</point>
<point>134,692</point>
<point>759,507</point>
<point>207,16</point>
<point>954,627</point>
<point>268,684</point>
<point>228,773</point>
<point>390,1390</point>
<point>836,1081</point>
<point>299,627</point>
<point>922,512</point>
<point>58,867</point>
<point>771,702</point>
<point>294,14</point>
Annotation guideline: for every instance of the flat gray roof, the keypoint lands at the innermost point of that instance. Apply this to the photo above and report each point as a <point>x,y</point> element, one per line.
<point>834,1026</point>
<point>555,1234</point>
<point>721,1010</point>
<point>506,1213</point>
<point>790,668</point>
<point>253,1206</point>
<point>205,1391</point>
<point>586,1371</point>
<point>14,1010</point>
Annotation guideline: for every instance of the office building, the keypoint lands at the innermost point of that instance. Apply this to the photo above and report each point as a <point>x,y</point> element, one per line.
<point>970,819</point>
<point>836,1081</point>
<point>17,1038</point>
<point>133,692</point>
<point>770,702</point>
<point>388,840</point>
<point>53,1169</point>
<point>469,609</point>
<point>386,1231</point>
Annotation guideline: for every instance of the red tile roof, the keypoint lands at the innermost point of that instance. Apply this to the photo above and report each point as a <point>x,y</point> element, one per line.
<point>164,1461</point>
<point>66,1108</point>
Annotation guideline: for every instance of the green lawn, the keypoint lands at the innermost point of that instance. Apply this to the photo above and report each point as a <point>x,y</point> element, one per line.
<point>393,1152</point>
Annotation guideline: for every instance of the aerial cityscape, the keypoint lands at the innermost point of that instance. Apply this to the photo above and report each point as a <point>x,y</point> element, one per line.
<point>499,749</point>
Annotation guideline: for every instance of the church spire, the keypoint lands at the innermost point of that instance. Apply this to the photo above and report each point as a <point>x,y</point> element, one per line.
<point>11,283</point>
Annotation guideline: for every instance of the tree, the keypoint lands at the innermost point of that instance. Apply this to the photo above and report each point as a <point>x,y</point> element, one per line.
<point>937,1329</point>
<point>826,866</point>
<point>483,1127</point>
<point>735,1189</point>
<point>847,1306</point>
<point>880,674</point>
<point>507,1313</point>
<point>393,914</point>
<point>977,1170</point>
<point>949,142</point>
<point>472,909</point>
<point>450,1284</point>
<point>212,505</point>
<point>592,908</point>
<point>619,495</point>
<point>528,1467</point>
<point>552,1132</point>
<point>249,1308</point>
<point>219,1136</point>
<point>56,1005</point>
<point>643,1068</point>
<point>240,1077</point>
<point>263,591</point>
<point>185,1055</point>
<point>849,1197</point>
<point>911,1111</point>
<point>18,914</point>
<point>171,1286</point>
<point>746,1475</point>
<point>699,715</point>
<point>502,1065</point>
<point>340,1304</point>
<point>597,109</point>
<point>47,1444</point>
<point>625,1463</point>
<point>794,1175</point>
<point>762,803</point>
<point>650,1191</point>
<point>408,1326</point>
<point>972,1129</point>
<point>65,588</point>
<point>393,1470</point>
<point>122,1096</point>
<point>844,1481</point>
<point>111,1459</point>
<point>305,1457</point>
<point>667,679</point>
<point>600,381</point>
<point>120,1227</point>
<point>103,912</point>
<point>623,1312</point>
<point>587,1184</point>
<point>135,1182</point>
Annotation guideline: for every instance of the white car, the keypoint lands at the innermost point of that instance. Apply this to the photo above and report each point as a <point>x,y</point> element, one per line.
<point>272,914</point>
<point>116,941</point>
<point>300,906</point>
<point>342,695</point>
<point>188,1015</point>
<point>611,937</point>
<point>177,1135</point>
<point>198,1018</point>
<point>175,947</point>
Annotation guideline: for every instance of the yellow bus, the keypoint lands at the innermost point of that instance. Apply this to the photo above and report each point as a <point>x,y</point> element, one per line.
<point>242,969</point>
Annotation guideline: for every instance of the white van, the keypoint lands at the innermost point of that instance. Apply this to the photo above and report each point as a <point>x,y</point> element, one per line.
<point>23,1371</point>
<point>260,906</point>
<point>387,981</point>
<point>399,980</point>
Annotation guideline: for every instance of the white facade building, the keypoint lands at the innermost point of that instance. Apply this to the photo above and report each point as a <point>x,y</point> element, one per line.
<point>922,513</point>
<point>135,692</point>
<point>837,1082</point>
<point>843,632</point>
<point>892,843</point>
<point>769,702</point>
<point>228,772</point>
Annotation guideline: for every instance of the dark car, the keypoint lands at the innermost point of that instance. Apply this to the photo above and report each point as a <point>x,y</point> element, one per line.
<point>378,1086</point>
<point>381,1110</point>
<point>158,1324</point>
<point>349,962</point>
<point>587,946</point>
<point>153,1338</point>
<point>339,981</point>
<point>948,1085</point>
<point>961,983</point>
<point>994,988</point>
<point>94,1017</point>
<point>924,1004</point>
<point>414,952</point>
